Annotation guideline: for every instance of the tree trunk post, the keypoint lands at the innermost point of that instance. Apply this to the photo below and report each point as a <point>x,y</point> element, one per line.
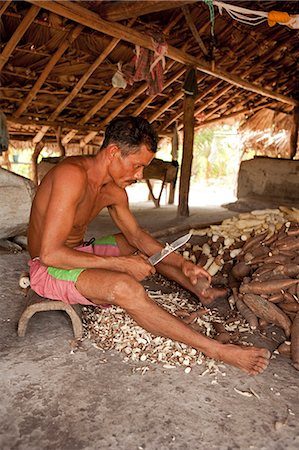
<point>294,133</point>
<point>190,88</point>
<point>174,154</point>
<point>37,149</point>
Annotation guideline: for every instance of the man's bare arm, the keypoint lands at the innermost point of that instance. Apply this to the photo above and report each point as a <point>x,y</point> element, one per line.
<point>68,187</point>
<point>145,243</point>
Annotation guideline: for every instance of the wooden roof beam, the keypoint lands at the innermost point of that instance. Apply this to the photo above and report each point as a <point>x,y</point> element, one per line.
<point>132,97</point>
<point>115,11</point>
<point>149,99</point>
<point>4,6</point>
<point>18,34</point>
<point>193,29</point>
<point>199,98</point>
<point>74,11</point>
<point>222,91</point>
<point>231,116</point>
<point>72,36</point>
<point>90,113</point>
<point>115,113</point>
<point>49,124</point>
<point>263,59</point>
<point>81,83</point>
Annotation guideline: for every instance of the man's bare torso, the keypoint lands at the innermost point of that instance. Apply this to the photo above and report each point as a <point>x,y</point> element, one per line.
<point>92,201</point>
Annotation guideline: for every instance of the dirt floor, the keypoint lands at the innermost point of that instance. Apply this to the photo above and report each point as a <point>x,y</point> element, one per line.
<point>54,398</point>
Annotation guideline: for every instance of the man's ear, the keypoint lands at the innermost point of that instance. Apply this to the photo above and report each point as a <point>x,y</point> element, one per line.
<point>112,151</point>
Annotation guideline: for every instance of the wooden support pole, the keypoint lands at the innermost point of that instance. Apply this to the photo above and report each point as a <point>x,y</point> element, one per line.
<point>189,106</point>
<point>18,34</point>
<point>38,148</point>
<point>59,143</point>
<point>294,133</point>
<point>174,154</point>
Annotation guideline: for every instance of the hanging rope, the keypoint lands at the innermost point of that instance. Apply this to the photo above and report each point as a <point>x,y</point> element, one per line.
<point>212,14</point>
<point>253,17</point>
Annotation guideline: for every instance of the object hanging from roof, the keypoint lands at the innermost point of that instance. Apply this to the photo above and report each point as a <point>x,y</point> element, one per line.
<point>148,65</point>
<point>4,137</point>
<point>254,17</point>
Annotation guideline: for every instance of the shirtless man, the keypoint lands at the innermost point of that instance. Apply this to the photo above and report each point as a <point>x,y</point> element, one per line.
<point>109,271</point>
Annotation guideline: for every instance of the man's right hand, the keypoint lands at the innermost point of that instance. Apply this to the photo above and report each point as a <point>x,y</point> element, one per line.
<point>137,265</point>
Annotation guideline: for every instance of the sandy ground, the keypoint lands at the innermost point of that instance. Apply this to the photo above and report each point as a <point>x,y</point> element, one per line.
<point>52,398</point>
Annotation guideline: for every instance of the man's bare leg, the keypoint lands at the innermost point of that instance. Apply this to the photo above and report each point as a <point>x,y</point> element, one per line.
<point>120,289</point>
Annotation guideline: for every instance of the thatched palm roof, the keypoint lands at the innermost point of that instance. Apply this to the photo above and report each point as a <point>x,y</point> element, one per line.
<point>58,59</point>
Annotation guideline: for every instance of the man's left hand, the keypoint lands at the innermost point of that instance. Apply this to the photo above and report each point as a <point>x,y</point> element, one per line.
<point>193,272</point>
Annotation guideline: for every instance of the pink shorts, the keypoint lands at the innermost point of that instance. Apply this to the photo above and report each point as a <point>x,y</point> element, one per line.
<point>60,284</point>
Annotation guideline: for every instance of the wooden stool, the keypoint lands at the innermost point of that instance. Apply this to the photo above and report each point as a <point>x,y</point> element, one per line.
<point>35,303</point>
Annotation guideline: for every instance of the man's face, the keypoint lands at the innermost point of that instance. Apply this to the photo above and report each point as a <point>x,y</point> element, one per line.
<point>129,169</point>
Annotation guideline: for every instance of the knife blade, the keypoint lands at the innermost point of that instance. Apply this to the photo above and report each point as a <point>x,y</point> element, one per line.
<point>169,248</point>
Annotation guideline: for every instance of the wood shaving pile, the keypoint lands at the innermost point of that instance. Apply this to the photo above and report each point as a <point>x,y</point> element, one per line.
<point>113,329</point>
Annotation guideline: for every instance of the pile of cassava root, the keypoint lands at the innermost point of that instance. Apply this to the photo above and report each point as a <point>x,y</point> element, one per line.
<point>254,258</point>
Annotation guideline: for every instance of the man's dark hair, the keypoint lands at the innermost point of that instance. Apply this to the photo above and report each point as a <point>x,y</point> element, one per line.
<point>129,133</point>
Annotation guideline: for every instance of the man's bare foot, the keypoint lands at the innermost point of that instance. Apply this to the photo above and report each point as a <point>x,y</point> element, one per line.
<point>251,360</point>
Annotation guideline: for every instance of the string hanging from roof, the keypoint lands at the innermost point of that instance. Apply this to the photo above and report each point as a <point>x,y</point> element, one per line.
<point>254,17</point>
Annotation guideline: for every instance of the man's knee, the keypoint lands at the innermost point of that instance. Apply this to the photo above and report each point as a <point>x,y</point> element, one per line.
<point>127,291</point>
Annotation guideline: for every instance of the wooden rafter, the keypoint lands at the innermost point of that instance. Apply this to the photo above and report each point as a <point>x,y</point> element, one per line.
<point>231,116</point>
<point>81,83</point>
<point>239,63</point>
<point>193,29</point>
<point>115,112</point>
<point>4,6</point>
<point>168,104</point>
<point>126,10</point>
<point>18,34</point>
<point>230,98</point>
<point>91,113</point>
<point>199,98</point>
<point>129,100</point>
<point>48,68</point>
<point>75,12</point>
<point>149,99</point>
<point>49,124</point>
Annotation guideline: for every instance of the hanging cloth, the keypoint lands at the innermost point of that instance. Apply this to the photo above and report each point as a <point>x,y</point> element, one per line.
<point>148,65</point>
<point>4,137</point>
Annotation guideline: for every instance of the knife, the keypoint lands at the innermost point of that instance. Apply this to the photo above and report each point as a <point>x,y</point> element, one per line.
<point>169,248</point>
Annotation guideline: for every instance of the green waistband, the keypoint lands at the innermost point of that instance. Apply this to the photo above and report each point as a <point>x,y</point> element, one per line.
<point>105,240</point>
<point>72,274</point>
<point>66,275</point>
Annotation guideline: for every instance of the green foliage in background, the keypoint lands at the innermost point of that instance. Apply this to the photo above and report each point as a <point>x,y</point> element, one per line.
<point>216,153</point>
